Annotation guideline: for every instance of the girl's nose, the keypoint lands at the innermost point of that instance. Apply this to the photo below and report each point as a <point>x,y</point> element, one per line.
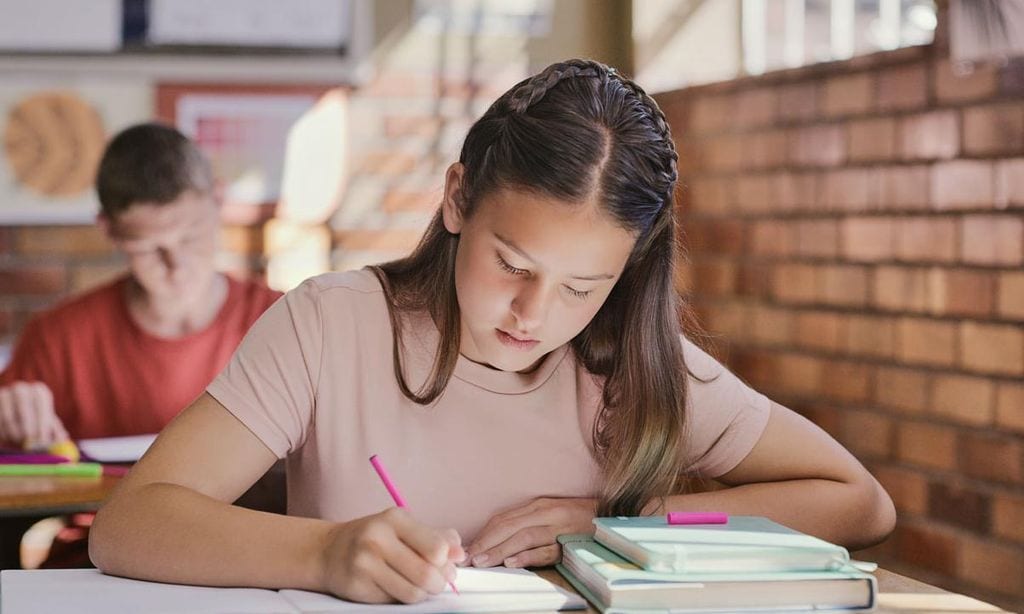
<point>529,307</point>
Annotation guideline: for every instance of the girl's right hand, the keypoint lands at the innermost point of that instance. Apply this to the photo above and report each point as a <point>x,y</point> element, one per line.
<point>389,557</point>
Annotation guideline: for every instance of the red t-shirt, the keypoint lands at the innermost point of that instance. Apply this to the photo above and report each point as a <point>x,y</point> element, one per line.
<point>109,377</point>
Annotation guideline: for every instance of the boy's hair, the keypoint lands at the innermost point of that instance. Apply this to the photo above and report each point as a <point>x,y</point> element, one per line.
<point>149,163</point>
<point>575,131</point>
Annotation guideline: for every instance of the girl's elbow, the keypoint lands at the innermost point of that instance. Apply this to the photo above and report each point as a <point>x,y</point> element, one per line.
<point>879,515</point>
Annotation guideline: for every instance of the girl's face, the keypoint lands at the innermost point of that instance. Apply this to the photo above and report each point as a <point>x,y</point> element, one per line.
<point>530,272</point>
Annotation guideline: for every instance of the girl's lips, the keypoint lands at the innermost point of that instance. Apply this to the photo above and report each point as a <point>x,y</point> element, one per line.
<point>511,341</point>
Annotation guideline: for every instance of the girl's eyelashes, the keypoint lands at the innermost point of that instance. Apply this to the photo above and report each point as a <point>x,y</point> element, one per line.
<point>509,268</point>
<point>580,294</point>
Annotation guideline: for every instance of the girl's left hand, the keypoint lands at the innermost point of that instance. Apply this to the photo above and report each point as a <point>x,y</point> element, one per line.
<point>525,536</point>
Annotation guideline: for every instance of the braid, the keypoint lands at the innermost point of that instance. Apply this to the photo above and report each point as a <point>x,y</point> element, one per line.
<point>532,90</point>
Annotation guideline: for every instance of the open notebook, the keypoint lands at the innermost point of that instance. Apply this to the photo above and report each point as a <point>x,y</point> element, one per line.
<point>85,591</point>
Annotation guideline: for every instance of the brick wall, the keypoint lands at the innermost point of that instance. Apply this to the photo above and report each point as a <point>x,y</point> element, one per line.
<point>39,265</point>
<point>856,242</point>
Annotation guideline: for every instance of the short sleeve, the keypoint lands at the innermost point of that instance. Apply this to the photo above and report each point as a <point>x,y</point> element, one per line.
<point>725,416</point>
<point>270,383</point>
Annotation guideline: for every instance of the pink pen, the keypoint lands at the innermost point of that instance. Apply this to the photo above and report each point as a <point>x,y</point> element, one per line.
<point>393,491</point>
<point>697,518</point>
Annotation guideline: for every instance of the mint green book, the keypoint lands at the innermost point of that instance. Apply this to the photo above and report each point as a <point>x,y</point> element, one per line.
<point>744,543</point>
<point>614,585</point>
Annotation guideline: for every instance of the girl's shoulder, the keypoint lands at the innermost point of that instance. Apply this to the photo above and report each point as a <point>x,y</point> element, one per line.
<point>360,280</point>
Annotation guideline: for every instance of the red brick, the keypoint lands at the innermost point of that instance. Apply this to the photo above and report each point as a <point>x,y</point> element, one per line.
<point>424,126</point>
<point>927,239</point>
<point>772,238</point>
<point>728,319</point>
<point>714,277</point>
<point>927,445</point>
<point>868,239</point>
<point>794,190</point>
<point>771,326</point>
<point>844,285</point>
<point>822,145</point>
<point>957,83</point>
<point>707,195</point>
<point>850,189</point>
<point>992,348</point>
<point>905,187</point>
<point>926,342</point>
<point>901,289</point>
<point>714,236</point>
<point>754,280</point>
<point>799,375</point>
<point>908,489</point>
<point>870,336</point>
<point>872,139</point>
<point>712,114</point>
<point>1010,406</point>
<point>1008,516</point>
<point>994,129</point>
<point>848,95</point>
<point>866,434</point>
<point>927,547</point>
<point>829,419</point>
<point>377,240</point>
<point>723,153</point>
<point>795,283</point>
<point>960,506</point>
<point>849,382</point>
<point>991,239</point>
<point>902,389</point>
<point>818,238</point>
<point>902,88</point>
<point>798,102</point>
<point>765,149</point>
<point>962,292</point>
<point>820,330</point>
<point>991,457</point>
<point>1011,294</point>
<point>399,200</point>
<point>87,276</point>
<point>389,163</point>
<point>963,184</point>
<point>33,280</point>
<point>1009,185</point>
<point>928,136</point>
<point>61,240</point>
<point>752,193</point>
<point>755,108</point>
<point>991,565</point>
<point>968,400</point>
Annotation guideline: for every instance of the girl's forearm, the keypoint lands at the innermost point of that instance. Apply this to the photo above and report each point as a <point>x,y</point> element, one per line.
<point>852,515</point>
<point>169,533</point>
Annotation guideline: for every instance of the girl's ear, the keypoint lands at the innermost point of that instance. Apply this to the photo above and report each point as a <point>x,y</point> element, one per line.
<point>451,207</point>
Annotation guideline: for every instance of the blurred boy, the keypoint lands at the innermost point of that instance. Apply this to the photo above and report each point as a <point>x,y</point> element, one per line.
<point>125,358</point>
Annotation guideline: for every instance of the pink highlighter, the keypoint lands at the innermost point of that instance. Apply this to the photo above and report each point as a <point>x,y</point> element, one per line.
<point>393,491</point>
<point>697,518</point>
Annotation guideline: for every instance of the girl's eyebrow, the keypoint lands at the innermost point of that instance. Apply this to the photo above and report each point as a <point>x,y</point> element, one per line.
<point>512,246</point>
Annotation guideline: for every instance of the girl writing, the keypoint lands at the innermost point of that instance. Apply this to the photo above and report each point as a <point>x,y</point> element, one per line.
<point>522,371</point>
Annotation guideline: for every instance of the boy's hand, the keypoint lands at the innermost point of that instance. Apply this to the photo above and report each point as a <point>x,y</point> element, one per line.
<point>526,536</point>
<point>27,416</point>
<point>389,557</point>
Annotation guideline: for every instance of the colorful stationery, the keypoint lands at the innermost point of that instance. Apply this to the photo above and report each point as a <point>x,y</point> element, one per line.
<point>77,470</point>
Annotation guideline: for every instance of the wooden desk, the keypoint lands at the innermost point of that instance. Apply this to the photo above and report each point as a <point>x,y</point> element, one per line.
<point>896,595</point>
<point>26,500</point>
<point>23,501</point>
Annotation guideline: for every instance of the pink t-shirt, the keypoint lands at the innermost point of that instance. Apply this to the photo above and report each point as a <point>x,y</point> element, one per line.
<point>314,380</point>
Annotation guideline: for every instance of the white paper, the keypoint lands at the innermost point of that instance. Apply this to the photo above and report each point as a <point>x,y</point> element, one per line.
<point>296,23</point>
<point>88,591</point>
<point>480,590</point>
<point>85,591</point>
<point>116,449</point>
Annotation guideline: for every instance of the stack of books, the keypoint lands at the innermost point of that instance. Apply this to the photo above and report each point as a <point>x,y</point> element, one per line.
<point>746,564</point>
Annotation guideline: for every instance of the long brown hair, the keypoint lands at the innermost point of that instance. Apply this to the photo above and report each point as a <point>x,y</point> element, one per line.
<point>576,127</point>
